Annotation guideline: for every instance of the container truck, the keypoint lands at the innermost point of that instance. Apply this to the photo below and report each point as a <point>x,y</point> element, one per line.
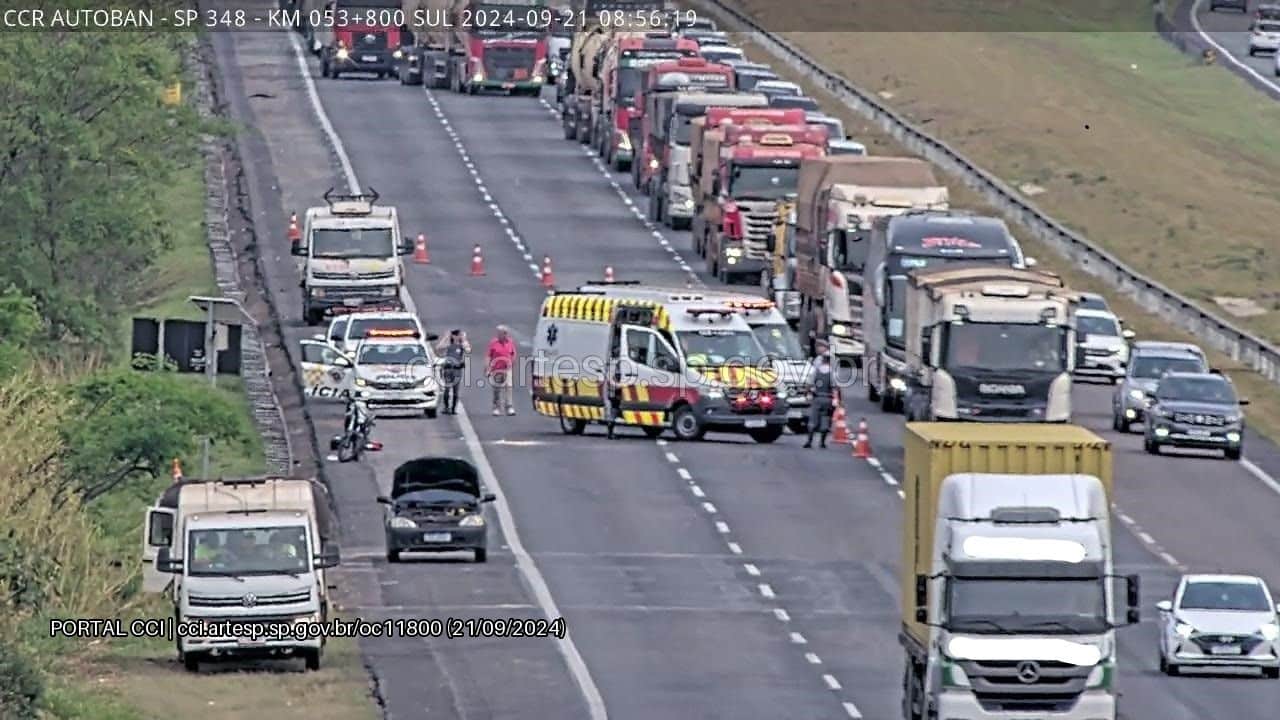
<point>670,183</point>
<point>660,85</point>
<point>1007,579</point>
<point>476,45</point>
<point>988,344</point>
<point>908,242</point>
<point>837,201</point>
<point>251,551</point>
<point>746,170</point>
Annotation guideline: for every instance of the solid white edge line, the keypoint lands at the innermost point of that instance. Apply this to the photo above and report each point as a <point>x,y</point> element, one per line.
<point>524,561</point>
<point>1260,474</point>
<point>1225,53</point>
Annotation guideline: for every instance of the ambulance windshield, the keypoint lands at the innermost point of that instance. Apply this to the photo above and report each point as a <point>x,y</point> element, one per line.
<point>709,348</point>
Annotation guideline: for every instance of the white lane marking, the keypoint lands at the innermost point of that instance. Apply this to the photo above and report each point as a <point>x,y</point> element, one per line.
<point>813,658</point>
<point>1124,518</point>
<point>671,458</point>
<point>798,639</point>
<point>1261,474</point>
<point>831,681</point>
<point>524,561</point>
<point>781,615</point>
<point>661,442</point>
<point>852,710</point>
<point>697,491</point>
<point>722,527</point>
<point>1225,53</point>
<point>711,509</point>
<point>1169,558</point>
<point>889,479</point>
<point>752,570</point>
<point>1146,537</point>
<point>684,474</point>
<point>735,548</point>
<point>767,591</point>
<point>873,462</point>
<point>902,495</point>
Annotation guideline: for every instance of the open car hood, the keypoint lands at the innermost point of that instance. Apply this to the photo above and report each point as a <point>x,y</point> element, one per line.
<point>435,473</point>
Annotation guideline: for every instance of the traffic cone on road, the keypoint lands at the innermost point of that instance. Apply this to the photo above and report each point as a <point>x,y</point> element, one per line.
<point>477,263</point>
<point>420,254</point>
<point>839,428</point>
<point>862,443</point>
<point>608,273</point>
<point>177,469</point>
<point>548,278</point>
<point>295,235</point>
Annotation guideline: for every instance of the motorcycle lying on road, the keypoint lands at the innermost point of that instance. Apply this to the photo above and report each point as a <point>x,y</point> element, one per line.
<point>357,427</point>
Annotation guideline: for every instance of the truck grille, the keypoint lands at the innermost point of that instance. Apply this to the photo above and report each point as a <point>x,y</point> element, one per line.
<point>195,600</point>
<point>1002,686</point>
<point>381,275</point>
<point>757,228</point>
<point>1199,419</point>
<point>501,63</point>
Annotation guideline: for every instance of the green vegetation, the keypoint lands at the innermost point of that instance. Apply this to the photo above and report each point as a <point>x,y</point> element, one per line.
<point>101,197</point>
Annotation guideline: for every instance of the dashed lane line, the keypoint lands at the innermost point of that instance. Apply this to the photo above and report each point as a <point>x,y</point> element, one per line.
<point>524,561</point>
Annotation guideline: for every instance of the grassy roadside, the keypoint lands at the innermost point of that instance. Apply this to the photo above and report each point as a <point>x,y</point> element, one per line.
<point>136,678</point>
<point>1166,162</point>
<point>1263,412</point>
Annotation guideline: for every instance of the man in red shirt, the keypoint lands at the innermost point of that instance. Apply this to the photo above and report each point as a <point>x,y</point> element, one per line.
<point>500,364</point>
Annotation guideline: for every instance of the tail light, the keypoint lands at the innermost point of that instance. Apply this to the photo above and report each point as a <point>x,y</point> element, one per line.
<point>766,401</point>
<point>731,221</point>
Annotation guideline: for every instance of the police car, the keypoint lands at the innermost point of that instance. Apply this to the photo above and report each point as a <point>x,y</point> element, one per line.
<point>347,331</point>
<point>393,370</point>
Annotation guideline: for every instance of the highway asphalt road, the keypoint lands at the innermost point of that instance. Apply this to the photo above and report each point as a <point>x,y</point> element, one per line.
<point>1229,29</point>
<point>716,579</point>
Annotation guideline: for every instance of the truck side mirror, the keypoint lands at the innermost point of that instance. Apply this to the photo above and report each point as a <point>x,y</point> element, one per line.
<point>1164,606</point>
<point>488,498</point>
<point>1132,593</point>
<point>384,500</point>
<point>922,592</point>
<point>165,563</point>
<point>329,556</point>
<point>406,247</point>
<point>160,529</point>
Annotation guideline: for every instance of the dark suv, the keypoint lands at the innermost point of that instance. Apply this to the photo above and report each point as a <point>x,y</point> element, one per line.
<point>1195,410</point>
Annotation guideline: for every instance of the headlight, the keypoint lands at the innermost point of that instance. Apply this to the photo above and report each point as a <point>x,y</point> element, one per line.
<point>313,617</point>
<point>342,53</point>
<point>653,164</point>
<point>390,291</point>
<point>715,393</point>
<point>397,54</point>
<point>361,382</point>
<point>898,384</point>
<point>1183,630</point>
<point>478,77</point>
<point>1270,631</point>
<point>476,520</point>
<point>402,522</point>
<point>687,204</point>
<point>840,329</point>
<point>1137,395</point>
<point>782,393</point>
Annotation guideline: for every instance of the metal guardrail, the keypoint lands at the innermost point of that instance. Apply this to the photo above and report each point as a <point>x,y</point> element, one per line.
<point>1242,346</point>
<point>268,414</point>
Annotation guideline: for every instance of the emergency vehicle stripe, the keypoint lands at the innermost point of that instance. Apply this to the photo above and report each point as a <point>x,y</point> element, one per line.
<point>598,309</point>
<point>642,393</point>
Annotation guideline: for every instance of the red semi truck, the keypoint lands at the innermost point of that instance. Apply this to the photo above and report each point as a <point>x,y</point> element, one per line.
<point>624,70</point>
<point>475,45</point>
<point>349,36</point>
<point>648,125</point>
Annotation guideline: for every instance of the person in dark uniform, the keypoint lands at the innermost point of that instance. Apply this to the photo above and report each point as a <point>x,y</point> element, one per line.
<point>454,350</point>
<point>820,400</point>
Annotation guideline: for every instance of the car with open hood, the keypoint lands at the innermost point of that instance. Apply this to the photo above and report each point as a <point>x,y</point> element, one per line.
<point>1149,361</point>
<point>1220,621</point>
<point>436,505</point>
<point>1195,410</point>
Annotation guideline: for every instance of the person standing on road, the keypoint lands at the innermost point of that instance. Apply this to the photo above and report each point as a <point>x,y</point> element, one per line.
<point>453,350</point>
<point>821,400</point>
<point>501,362</point>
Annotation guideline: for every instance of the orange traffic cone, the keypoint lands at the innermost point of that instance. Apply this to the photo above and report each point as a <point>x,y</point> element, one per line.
<point>420,254</point>
<point>548,278</point>
<point>839,428</point>
<point>177,469</point>
<point>862,444</point>
<point>608,273</point>
<point>477,263</point>
<point>295,235</point>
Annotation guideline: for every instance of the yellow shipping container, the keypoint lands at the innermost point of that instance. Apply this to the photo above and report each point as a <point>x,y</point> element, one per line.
<point>933,451</point>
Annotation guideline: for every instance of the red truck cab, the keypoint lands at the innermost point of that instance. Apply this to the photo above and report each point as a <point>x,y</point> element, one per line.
<point>510,56</point>
<point>622,102</point>
<point>367,40</point>
<point>648,126</point>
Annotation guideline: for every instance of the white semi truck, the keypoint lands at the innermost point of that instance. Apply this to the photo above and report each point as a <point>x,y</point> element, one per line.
<point>1007,575</point>
<point>988,344</point>
<point>248,559</point>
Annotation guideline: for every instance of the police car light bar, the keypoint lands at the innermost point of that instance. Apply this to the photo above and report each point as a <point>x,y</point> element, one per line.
<point>376,332</point>
<point>750,304</point>
<point>721,311</point>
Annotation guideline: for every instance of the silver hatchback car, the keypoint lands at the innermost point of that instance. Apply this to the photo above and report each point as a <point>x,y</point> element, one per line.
<point>1148,361</point>
<point>1220,621</point>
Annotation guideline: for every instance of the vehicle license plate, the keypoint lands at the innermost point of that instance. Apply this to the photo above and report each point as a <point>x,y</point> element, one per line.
<point>436,537</point>
<point>755,423</point>
<point>1198,433</point>
<point>1225,650</point>
<point>369,58</point>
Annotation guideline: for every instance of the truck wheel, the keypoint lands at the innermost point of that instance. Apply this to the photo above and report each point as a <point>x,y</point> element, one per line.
<point>721,274</point>
<point>654,212</point>
<point>1271,673</point>
<point>324,68</point>
<point>572,427</point>
<point>872,395</point>
<point>393,556</point>
<point>635,175</point>
<point>679,223</point>
<point>311,658</point>
<point>621,165</point>
<point>766,435</point>
<point>314,316</point>
<point>482,555</point>
<point>191,662</point>
<point>1151,446</point>
<point>888,403</point>
<point>686,425</point>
